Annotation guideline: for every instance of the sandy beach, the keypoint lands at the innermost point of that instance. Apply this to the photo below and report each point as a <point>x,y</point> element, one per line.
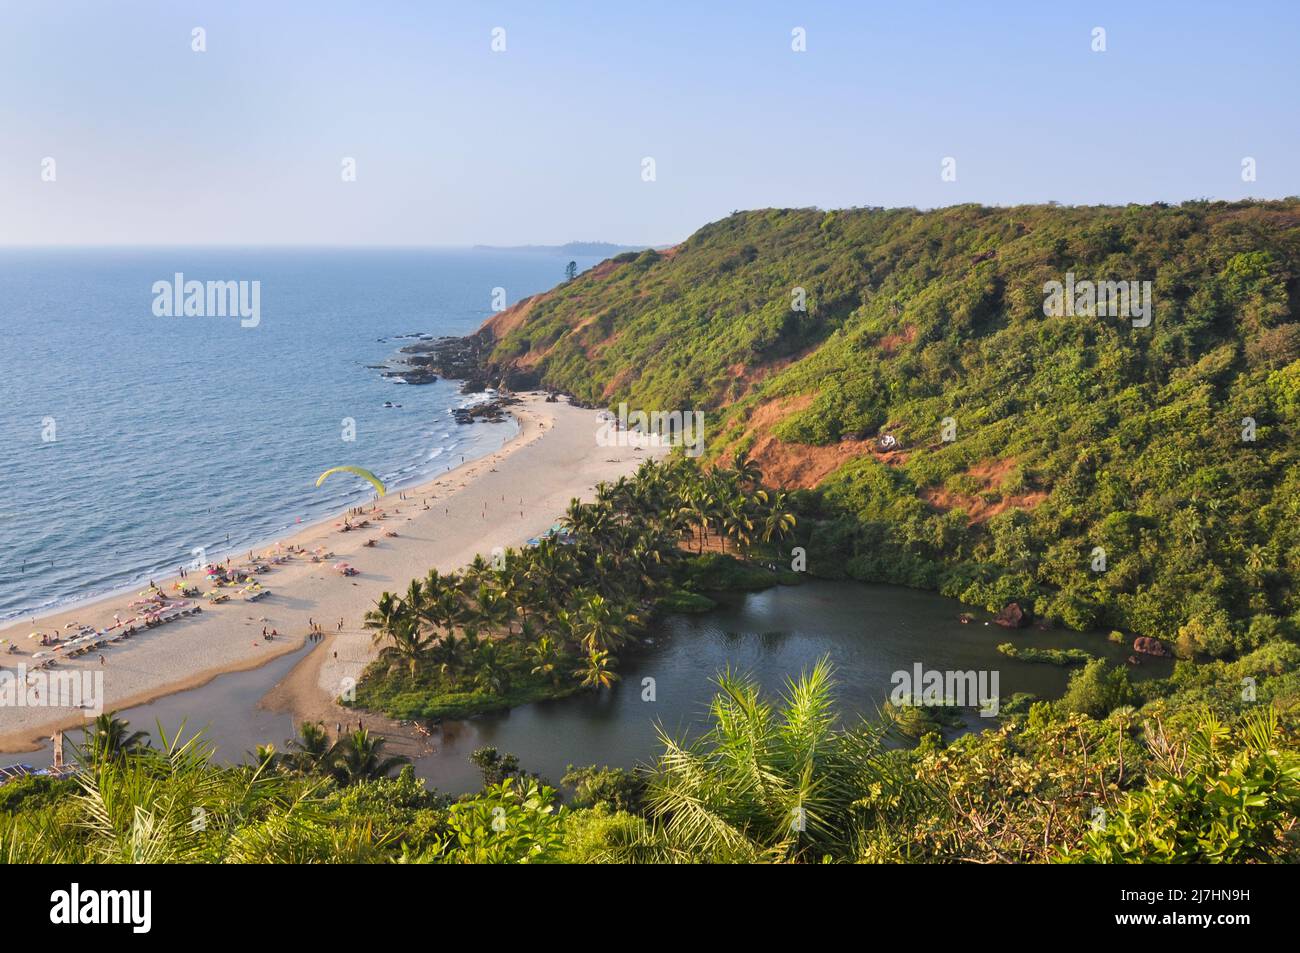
<point>501,499</point>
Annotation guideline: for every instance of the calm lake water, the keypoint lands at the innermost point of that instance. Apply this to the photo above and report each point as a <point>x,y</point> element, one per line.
<point>868,631</point>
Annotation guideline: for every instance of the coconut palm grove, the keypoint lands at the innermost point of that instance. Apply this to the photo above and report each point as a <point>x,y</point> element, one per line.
<point>1188,768</point>
<point>860,436</point>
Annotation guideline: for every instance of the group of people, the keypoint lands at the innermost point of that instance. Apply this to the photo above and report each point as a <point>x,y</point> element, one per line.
<point>316,631</point>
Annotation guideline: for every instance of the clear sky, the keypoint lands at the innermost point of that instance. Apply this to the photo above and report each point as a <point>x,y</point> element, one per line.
<point>543,143</point>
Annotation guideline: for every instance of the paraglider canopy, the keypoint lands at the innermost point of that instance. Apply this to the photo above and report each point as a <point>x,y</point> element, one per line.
<point>359,471</point>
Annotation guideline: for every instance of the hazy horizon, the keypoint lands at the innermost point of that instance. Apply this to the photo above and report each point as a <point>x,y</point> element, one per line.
<point>150,142</point>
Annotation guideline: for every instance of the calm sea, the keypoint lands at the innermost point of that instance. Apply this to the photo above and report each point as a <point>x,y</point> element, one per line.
<point>129,440</point>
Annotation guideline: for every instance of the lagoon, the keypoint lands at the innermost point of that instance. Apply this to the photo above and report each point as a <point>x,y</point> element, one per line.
<point>868,632</point>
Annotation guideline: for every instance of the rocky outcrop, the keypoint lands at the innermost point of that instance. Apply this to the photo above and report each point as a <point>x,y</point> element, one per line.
<point>1144,645</point>
<point>1012,617</point>
<point>491,411</point>
<point>461,359</point>
<point>414,375</point>
<point>454,358</point>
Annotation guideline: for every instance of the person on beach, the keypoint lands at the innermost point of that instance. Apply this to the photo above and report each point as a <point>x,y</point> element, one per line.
<point>340,625</point>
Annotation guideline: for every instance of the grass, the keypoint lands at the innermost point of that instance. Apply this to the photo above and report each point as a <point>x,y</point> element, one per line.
<point>1049,656</point>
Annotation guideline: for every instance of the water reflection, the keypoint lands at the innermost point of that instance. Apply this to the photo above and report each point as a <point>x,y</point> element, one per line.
<point>869,632</point>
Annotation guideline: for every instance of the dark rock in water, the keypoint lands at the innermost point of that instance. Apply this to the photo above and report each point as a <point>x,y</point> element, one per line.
<point>1012,617</point>
<point>413,375</point>
<point>462,359</point>
<point>491,411</point>
<point>454,358</point>
<point>1149,646</point>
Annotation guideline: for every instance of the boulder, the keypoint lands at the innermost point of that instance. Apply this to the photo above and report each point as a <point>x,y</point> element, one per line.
<point>1012,617</point>
<point>1148,646</point>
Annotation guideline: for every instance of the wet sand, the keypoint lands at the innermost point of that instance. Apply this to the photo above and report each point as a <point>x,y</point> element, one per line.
<point>500,499</point>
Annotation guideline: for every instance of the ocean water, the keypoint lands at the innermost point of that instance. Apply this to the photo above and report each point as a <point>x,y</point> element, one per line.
<point>128,440</point>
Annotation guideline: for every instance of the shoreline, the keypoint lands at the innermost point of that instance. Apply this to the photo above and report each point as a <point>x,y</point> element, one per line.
<point>218,557</point>
<point>189,652</point>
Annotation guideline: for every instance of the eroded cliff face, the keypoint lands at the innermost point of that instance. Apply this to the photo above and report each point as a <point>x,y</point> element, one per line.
<point>815,339</point>
<point>959,428</point>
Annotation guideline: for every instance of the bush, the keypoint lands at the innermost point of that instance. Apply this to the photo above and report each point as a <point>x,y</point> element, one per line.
<point>1097,689</point>
<point>683,601</point>
<point>615,788</point>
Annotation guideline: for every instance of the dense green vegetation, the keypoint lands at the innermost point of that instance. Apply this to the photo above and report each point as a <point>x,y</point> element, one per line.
<point>1199,773</point>
<point>1105,435</point>
<point>551,619</point>
<point>1050,656</point>
<point>1074,436</point>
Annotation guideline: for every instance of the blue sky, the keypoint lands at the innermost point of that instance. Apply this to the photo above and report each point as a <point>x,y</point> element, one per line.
<point>456,144</point>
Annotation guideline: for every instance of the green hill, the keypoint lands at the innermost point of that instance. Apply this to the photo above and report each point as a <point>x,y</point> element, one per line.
<point>1070,433</point>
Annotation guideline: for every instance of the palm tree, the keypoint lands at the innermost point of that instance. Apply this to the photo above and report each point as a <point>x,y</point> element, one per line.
<point>551,571</point>
<point>490,672</point>
<point>178,805</point>
<point>597,670</point>
<point>110,738</point>
<point>441,597</point>
<point>266,756</point>
<point>736,521</point>
<point>765,783</point>
<point>311,752</point>
<point>589,519</point>
<point>778,522</point>
<point>747,471</point>
<point>1256,561</point>
<point>601,624</point>
<point>388,613</point>
<point>698,508</point>
<point>644,560</point>
<point>545,656</point>
<point>446,654</point>
<point>359,756</point>
<point>413,601</point>
<point>493,608</point>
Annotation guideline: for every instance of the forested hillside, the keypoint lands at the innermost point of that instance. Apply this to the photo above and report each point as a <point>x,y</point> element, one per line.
<point>1069,434</point>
